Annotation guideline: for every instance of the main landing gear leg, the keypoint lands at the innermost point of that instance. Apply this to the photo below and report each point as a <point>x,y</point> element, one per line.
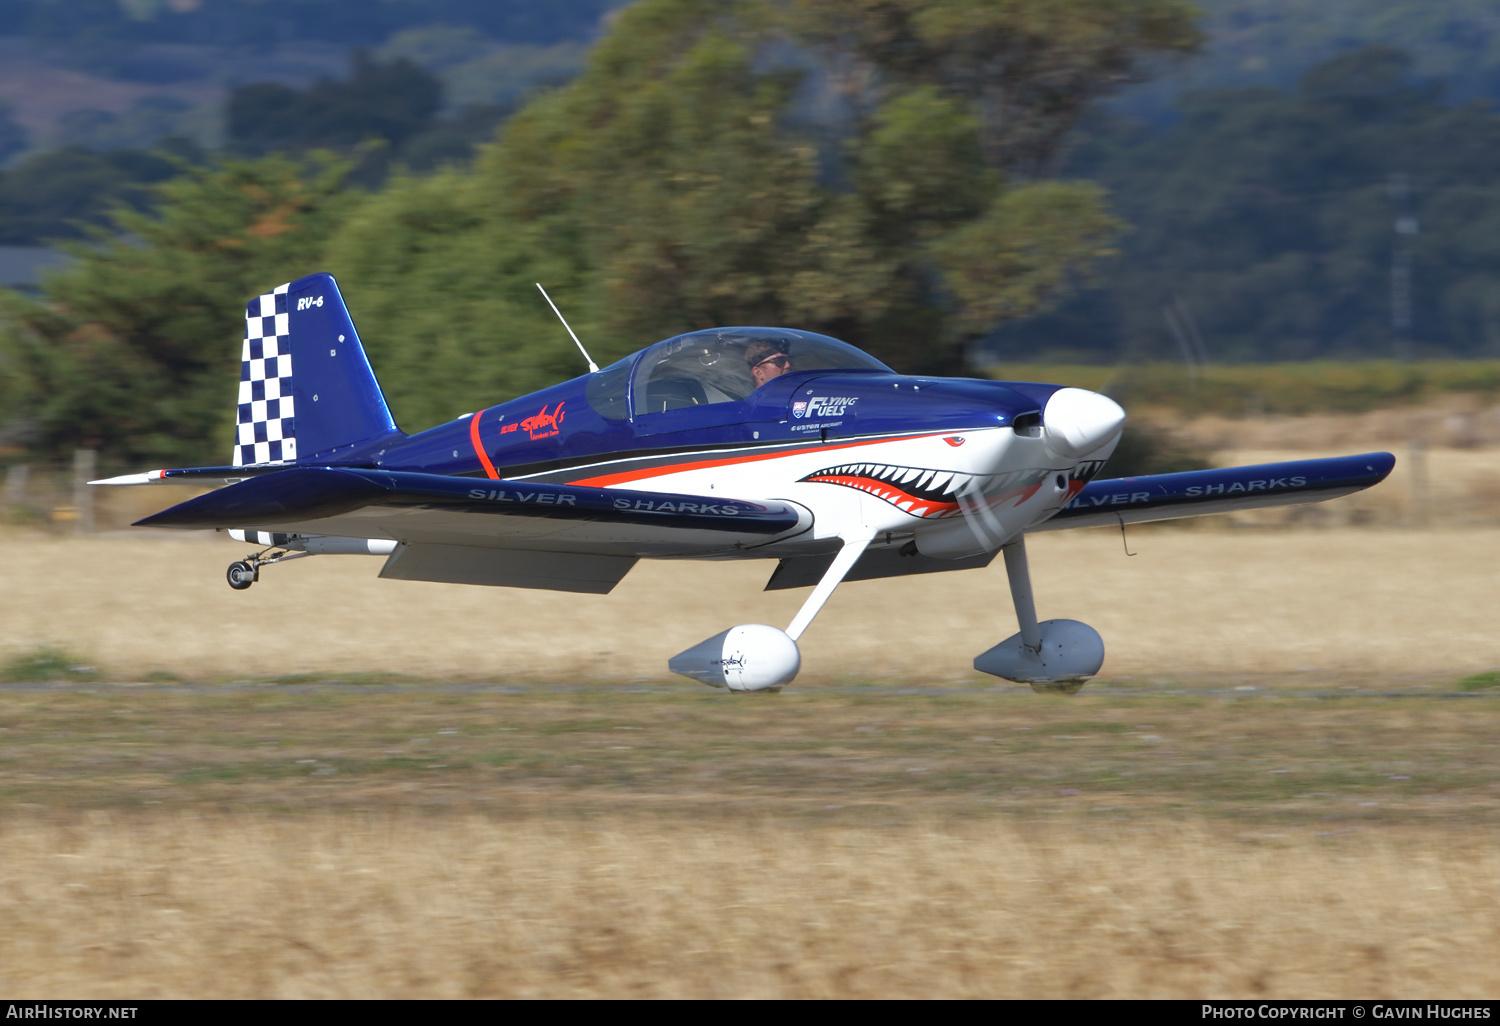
<point>244,572</point>
<point>854,547</point>
<point>1054,655</point>
<point>755,657</point>
<point>1019,575</point>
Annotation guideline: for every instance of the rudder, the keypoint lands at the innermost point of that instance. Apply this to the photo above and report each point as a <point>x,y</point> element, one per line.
<point>296,404</point>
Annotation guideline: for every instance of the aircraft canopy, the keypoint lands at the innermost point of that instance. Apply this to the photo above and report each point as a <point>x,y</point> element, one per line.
<point>713,365</point>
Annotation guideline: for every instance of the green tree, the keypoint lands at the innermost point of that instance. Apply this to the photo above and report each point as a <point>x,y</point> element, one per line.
<point>868,168</point>
<point>679,182</point>
<point>1028,69</point>
<point>390,101</point>
<point>56,195</point>
<point>442,290</point>
<point>13,137</point>
<point>133,350</point>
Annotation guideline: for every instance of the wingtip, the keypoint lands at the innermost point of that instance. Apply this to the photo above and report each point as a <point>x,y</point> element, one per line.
<point>1381,463</point>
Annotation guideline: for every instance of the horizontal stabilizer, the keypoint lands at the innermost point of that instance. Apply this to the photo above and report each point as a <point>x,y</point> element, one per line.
<point>1194,493</point>
<point>191,475</point>
<point>298,498</point>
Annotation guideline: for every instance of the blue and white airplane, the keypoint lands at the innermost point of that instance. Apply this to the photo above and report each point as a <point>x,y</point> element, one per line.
<point>727,443</point>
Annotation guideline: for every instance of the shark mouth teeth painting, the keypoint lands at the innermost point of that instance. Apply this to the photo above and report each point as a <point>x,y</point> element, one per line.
<point>931,494</point>
<point>928,494</point>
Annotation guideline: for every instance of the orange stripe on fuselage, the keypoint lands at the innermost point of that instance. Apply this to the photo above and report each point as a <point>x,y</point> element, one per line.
<point>604,480</point>
<point>489,468</point>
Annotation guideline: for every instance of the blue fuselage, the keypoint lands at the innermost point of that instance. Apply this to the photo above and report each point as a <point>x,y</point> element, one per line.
<point>550,432</point>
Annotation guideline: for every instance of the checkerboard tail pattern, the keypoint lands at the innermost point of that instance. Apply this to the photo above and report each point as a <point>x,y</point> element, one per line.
<point>267,431</point>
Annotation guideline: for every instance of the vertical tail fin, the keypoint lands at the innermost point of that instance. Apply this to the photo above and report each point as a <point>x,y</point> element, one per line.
<point>307,392</point>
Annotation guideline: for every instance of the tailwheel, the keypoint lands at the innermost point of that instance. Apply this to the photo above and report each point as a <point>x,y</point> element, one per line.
<point>241,575</point>
<point>244,572</point>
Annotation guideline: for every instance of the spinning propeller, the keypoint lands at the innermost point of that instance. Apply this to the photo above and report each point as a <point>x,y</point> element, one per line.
<point>1075,423</point>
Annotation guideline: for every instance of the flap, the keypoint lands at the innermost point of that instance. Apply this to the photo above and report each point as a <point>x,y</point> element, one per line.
<point>508,568</point>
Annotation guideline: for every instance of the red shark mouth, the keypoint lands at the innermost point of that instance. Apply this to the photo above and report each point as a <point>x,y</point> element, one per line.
<point>933,494</point>
<point>928,494</point>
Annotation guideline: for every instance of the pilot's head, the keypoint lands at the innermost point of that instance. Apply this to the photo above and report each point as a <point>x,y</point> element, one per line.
<point>767,358</point>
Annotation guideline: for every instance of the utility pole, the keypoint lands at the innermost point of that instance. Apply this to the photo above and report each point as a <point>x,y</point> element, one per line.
<point>1401,267</point>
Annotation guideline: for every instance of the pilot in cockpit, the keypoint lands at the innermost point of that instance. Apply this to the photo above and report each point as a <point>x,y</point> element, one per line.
<point>768,359</point>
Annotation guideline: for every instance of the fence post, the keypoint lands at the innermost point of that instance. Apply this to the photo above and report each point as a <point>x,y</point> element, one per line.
<point>1419,498</point>
<point>84,461</point>
<point>16,477</point>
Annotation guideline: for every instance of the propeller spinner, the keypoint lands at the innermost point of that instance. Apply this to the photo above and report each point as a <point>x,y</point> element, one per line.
<point>1076,422</point>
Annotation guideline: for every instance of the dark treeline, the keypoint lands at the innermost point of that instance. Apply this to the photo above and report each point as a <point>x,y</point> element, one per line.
<point>94,28</point>
<point>395,104</point>
<point>1274,43</point>
<point>387,113</point>
<point>1355,216</point>
<point>391,105</point>
<point>59,195</point>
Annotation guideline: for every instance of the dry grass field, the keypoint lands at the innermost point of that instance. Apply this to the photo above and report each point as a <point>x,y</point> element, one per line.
<point>1214,600</point>
<point>383,906</point>
<point>1277,788</point>
<point>432,840</point>
<point>1337,761</point>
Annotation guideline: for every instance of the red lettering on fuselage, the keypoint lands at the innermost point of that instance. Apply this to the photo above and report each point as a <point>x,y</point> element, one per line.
<point>542,424</point>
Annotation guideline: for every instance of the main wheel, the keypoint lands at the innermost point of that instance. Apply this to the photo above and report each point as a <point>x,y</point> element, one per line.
<point>241,575</point>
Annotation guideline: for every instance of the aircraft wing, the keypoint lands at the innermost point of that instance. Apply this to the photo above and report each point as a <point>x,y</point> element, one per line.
<point>435,509</point>
<point>1135,500</point>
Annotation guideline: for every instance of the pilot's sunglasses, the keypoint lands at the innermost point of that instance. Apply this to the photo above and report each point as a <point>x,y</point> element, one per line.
<point>780,359</point>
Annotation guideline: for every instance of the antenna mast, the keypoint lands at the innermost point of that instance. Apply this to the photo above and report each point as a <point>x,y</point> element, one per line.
<point>593,367</point>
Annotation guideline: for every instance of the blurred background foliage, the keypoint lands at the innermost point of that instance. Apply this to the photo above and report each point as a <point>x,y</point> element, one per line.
<point>1274,217</point>
<point>133,352</point>
<point>949,184</point>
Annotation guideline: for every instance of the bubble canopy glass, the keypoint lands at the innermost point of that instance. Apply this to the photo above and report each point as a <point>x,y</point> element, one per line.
<point>713,366</point>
